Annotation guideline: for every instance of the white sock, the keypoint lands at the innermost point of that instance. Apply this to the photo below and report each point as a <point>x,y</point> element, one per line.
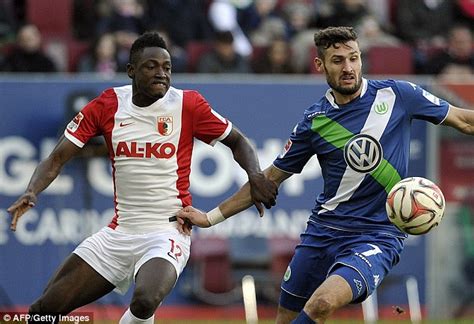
<point>129,318</point>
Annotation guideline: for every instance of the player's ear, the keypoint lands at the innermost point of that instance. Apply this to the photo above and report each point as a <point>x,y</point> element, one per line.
<point>318,63</point>
<point>130,71</point>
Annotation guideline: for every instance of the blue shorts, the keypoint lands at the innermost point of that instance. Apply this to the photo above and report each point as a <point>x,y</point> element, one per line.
<point>362,259</point>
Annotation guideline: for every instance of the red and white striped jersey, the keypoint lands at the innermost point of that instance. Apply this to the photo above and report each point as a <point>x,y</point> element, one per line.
<point>150,149</point>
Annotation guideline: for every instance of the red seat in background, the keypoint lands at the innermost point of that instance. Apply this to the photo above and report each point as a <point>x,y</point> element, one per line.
<point>389,60</point>
<point>53,18</point>
<point>195,50</point>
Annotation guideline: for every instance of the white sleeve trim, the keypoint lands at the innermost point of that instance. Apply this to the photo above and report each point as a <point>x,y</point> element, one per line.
<point>283,170</point>
<point>224,135</point>
<point>447,113</point>
<point>73,139</point>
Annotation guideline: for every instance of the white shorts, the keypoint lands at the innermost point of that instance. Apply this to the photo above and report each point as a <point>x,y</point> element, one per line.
<point>118,256</point>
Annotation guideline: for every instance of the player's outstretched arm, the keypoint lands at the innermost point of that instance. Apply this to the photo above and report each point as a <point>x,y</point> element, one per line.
<point>238,202</point>
<point>262,190</point>
<point>461,119</point>
<point>46,171</point>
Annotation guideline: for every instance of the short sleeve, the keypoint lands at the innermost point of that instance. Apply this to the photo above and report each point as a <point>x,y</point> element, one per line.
<point>87,123</point>
<point>421,104</point>
<point>208,125</point>
<point>297,150</point>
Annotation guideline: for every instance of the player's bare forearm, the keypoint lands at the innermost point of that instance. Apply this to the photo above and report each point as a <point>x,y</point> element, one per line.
<point>233,205</point>
<point>243,152</point>
<point>42,177</point>
<point>262,191</point>
<point>461,119</point>
<point>242,199</point>
<point>238,202</point>
<point>44,174</point>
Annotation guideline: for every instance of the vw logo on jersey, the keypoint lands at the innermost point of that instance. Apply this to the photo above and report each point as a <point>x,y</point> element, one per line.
<point>363,153</point>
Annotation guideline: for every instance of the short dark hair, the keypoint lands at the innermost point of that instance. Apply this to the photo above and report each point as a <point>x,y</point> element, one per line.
<point>148,39</point>
<point>325,38</point>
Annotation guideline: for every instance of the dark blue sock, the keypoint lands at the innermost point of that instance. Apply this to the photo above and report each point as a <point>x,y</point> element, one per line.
<point>303,318</point>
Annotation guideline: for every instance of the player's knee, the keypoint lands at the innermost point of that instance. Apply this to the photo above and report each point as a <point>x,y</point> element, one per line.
<point>51,305</point>
<point>319,307</point>
<point>143,305</point>
<point>36,310</point>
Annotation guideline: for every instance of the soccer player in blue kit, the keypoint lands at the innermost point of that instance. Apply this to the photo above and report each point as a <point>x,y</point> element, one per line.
<point>360,132</point>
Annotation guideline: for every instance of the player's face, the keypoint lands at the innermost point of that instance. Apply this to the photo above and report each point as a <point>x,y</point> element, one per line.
<point>342,66</point>
<point>151,75</point>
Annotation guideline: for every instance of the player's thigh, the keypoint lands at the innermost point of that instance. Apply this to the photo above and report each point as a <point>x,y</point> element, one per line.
<point>163,258</point>
<point>155,279</point>
<point>74,284</point>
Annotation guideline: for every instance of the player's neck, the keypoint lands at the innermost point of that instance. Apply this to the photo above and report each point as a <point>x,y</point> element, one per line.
<point>342,99</point>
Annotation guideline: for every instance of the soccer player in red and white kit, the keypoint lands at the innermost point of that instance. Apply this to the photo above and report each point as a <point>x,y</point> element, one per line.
<point>149,128</point>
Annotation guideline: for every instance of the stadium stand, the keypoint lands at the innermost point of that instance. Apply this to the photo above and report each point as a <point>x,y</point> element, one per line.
<point>53,18</point>
<point>381,60</point>
<point>195,50</point>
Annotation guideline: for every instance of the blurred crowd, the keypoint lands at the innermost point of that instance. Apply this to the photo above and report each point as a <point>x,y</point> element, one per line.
<point>234,36</point>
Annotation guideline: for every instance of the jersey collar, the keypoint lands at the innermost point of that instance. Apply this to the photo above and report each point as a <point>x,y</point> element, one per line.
<point>331,99</point>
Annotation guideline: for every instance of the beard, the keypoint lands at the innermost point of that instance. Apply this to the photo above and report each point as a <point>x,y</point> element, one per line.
<point>346,91</point>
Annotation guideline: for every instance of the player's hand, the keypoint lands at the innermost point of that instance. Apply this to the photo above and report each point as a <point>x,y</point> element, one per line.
<point>184,226</point>
<point>263,191</point>
<point>21,206</point>
<point>191,215</point>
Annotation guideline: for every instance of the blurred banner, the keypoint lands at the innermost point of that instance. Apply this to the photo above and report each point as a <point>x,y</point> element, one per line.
<point>79,202</point>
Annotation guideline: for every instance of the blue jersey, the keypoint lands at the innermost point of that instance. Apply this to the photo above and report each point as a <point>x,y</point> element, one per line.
<point>362,148</point>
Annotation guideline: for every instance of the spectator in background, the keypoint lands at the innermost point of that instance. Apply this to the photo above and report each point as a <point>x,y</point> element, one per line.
<point>223,17</point>
<point>27,54</point>
<point>251,17</point>
<point>456,61</point>
<point>102,58</point>
<point>297,15</point>
<point>223,58</point>
<point>8,21</point>
<point>270,29</point>
<point>121,15</point>
<point>124,19</point>
<point>422,24</point>
<point>276,59</point>
<point>303,51</point>
<point>371,35</point>
<point>262,23</point>
<point>344,13</point>
<point>179,56</point>
<point>184,20</point>
<point>424,21</point>
<point>381,10</point>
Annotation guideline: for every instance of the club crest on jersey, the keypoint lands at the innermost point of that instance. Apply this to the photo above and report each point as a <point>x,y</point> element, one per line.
<point>165,125</point>
<point>381,108</point>
<point>75,122</point>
